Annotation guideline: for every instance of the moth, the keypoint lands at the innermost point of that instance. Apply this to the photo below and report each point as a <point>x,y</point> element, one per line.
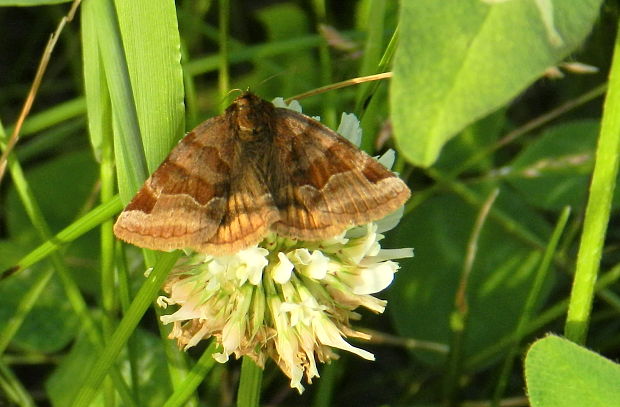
<point>254,169</point>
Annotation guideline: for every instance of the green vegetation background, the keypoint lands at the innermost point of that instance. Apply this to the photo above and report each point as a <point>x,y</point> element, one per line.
<point>474,110</point>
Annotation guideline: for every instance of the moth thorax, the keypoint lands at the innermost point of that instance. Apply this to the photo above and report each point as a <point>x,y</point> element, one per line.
<point>249,132</point>
<point>251,125</point>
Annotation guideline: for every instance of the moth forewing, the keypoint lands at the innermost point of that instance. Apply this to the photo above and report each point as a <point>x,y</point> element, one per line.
<point>253,169</point>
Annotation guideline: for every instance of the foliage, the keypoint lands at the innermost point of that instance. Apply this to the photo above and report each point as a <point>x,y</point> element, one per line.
<point>486,96</point>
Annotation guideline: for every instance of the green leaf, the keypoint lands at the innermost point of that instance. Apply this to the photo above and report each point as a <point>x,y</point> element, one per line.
<point>459,60</point>
<point>421,299</point>
<point>152,388</point>
<point>560,373</point>
<point>6,3</point>
<point>473,139</point>
<point>554,171</point>
<point>71,175</point>
<point>50,325</point>
<point>62,186</point>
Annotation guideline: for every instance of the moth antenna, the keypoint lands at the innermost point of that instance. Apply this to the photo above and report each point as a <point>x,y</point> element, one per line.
<point>224,99</point>
<point>267,79</point>
<point>234,90</point>
<point>261,83</point>
<point>338,85</point>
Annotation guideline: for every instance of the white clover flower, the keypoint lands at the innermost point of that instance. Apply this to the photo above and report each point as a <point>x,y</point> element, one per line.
<point>291,301</point>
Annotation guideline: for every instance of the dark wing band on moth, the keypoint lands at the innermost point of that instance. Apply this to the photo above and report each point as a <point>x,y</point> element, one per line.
<point>249,213</point>
<point>332,186</point>
<point>184,200</point>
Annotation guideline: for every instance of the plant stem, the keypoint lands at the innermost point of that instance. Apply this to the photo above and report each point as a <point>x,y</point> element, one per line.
<point>248,394</point>
<point>597,211</point>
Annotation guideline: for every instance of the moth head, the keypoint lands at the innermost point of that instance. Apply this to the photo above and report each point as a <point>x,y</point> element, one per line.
<point>251,117</point>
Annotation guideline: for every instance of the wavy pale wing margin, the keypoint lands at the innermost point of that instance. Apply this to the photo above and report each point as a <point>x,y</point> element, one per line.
<point>201,198</point>
<point>332,186</point>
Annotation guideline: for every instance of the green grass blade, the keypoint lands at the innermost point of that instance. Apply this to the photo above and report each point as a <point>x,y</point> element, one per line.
<point>551,314</point>
<point>153,52</point>
<point>224,74</point>
<point>12,390</point>
<point>598,209</point>
<point>150,288</point>
<point>373,47</point>
<point>152,48</point>
<point>131,162</point>
<point>211,63</point>
<point>195,377</point>
<point>89,221</point>
<point>26,303</point>
<point>328,115</point>
<point>73,293</point>
<point>101,136</point>
<point>530,305</point>
<point>57,114</point>
<point>95,85</point>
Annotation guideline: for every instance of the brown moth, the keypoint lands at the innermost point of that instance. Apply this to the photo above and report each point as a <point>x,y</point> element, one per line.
<point>254,169</point>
